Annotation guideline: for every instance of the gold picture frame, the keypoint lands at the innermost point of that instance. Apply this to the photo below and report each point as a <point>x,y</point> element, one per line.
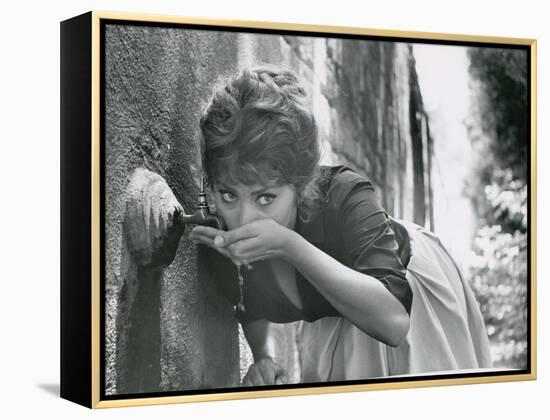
<point>83,198</point>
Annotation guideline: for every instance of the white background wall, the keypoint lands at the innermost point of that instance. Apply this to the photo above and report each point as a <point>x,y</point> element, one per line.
<point>29,234</point>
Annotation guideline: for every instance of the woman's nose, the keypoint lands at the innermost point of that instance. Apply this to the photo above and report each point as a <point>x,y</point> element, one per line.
<point>248,214</point>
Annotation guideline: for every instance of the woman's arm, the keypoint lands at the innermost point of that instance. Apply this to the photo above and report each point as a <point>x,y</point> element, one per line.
<point>261,338</point>
<point>257,334</point>
<point>360,298</point>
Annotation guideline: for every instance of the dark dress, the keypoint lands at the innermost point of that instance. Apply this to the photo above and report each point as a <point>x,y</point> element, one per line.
<point>353,228</point>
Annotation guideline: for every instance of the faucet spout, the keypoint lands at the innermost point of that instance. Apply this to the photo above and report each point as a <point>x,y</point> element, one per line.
<point>202,216</point>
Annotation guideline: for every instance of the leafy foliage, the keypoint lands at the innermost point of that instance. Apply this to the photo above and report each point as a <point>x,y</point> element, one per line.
<point>499,275</point>
<point>498,129</point>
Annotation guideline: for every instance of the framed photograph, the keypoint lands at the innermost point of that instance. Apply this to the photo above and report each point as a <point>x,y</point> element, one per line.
<point>256,209</point>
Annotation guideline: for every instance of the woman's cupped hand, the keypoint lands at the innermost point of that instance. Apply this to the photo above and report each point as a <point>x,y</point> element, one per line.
<point>255,241</point>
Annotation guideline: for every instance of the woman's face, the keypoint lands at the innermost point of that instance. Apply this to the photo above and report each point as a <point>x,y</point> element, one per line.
<point>239,204</point>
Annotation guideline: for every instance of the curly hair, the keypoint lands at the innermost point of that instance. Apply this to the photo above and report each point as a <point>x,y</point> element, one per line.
<point>258,129</point>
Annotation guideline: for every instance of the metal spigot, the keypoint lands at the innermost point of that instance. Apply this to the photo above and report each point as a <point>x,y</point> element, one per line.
<point>202,215</point>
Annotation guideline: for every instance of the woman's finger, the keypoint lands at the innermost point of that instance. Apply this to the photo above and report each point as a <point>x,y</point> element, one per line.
<point>247,381</point>
<point>267,373</point>
<point>205,235</point>
<point>226,238</point>
<point>254,377</point>
<point>255,255</point>
<point>206,230</point>
<point>281,377</point>
<point>251,259</point>
<point>205,240</point>
<point>244,246</point>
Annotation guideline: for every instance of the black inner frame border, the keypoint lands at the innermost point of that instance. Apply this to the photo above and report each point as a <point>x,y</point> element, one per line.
<point>103,22</point>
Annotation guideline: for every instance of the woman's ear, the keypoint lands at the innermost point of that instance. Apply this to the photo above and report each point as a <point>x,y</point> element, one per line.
<point>298,195</point>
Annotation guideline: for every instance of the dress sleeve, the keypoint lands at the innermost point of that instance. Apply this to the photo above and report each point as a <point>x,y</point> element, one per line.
<point>370,243</point>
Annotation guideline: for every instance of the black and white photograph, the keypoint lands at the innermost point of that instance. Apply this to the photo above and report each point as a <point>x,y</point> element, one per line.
<point>244,210</point>
<point>286,209</point>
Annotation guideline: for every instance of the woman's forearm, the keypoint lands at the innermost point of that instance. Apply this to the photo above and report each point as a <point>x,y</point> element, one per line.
<point>262,336</point>
<point>259,337</point>
<point>360,298</point>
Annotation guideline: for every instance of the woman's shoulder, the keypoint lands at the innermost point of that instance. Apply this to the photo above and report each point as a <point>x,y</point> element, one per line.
<point>339,181</point>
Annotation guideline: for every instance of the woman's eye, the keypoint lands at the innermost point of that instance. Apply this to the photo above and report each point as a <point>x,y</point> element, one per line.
<point>228,197</point>
<point>265,199</point>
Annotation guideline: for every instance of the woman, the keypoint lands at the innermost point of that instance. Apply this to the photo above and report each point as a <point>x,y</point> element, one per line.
<point>387,297</point>
<point>379,297</point>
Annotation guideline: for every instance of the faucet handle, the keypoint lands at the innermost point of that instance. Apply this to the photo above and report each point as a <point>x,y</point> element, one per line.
<point>202,203</point>
<point>202,184</point>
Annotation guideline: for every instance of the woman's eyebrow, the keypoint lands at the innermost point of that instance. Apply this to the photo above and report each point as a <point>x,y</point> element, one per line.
<point>222,186</point>
<point>261,190</point>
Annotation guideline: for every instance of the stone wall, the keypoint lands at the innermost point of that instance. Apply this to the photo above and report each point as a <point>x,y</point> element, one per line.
<point>368,105</point>
<point>156,82</point>
<point>367,100</point>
